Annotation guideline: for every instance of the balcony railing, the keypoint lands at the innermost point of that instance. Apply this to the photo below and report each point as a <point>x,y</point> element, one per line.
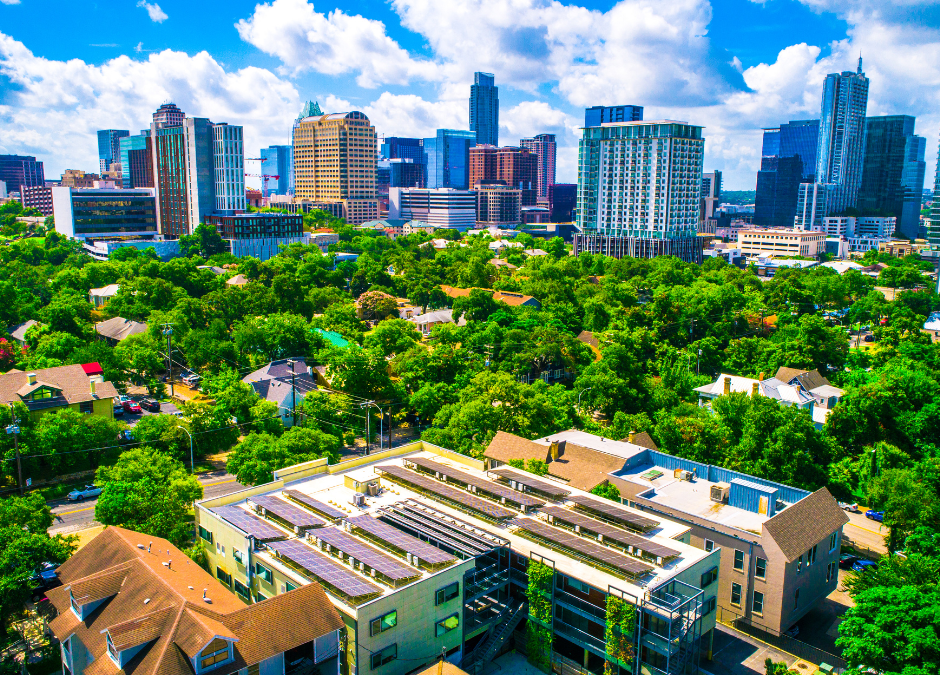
<point>596,644</point>
<point>580,605</point>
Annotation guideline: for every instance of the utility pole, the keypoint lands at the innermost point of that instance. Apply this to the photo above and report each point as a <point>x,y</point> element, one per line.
<point>168,331</point>
<point>697,361</point>
<point>15,430</point>
<point>367,430</point>
<point>293,391</point>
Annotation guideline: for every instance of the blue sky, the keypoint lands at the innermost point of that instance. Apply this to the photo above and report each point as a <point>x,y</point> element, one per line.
<point>732,66</point>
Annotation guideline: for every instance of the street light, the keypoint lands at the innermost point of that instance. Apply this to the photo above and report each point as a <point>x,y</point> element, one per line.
<point>366,405</point>
<point>579,397</point>
<point>192,461</point>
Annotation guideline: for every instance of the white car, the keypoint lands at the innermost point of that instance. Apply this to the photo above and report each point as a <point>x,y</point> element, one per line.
<point>851,508</point>
<point>84,493</point>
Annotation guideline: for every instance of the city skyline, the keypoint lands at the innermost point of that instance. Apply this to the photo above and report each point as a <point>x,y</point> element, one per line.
<point>413,76</point>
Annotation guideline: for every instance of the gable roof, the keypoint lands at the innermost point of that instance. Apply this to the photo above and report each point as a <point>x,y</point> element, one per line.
<point>163,606</point>
<point>72,381</point>
<point>809,379</point>
<point>18,332</point>
<point>238,280</point>
<point>587,337</point>
<point>644,440</point>
<point>584,468</point>
<point>108,291</point>
<point>798,528</point>
<point>120,328</point>
<point>512,299</point>
<point>506,446</point>
<point>275,381</point>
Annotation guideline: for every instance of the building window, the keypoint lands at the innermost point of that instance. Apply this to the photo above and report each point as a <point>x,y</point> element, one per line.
<point>811,556</point>
<point>446,625</point>
<point>758,603</point>
<point>796,599</point>
<point>86,407</point>
<point>214,654</point>
<point>259,597</point>
<point>709,545</point>
<point>223,576</point>
<point>383,623</point>
<point>238,556</point>
<point>264,572</point>
<point>220,549</point>
<point>242,590</point>
<point>112,652</point>
<point>760,568</point>
<point>288,587</point>
<point>447,593</point>
<point>799,564</point>
<point>709,577</point>
<point>205,534</point>
<point>380,658</point>
<point>830,571</point>
<point>736,594</point>
<point>739,560</point>
<point>709,605</point>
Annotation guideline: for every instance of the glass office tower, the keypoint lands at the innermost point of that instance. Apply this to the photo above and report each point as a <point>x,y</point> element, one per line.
<point>601,114</point>
<point>484,109</point>
<point>788,159</point>
<point>448,158</point>
<point>136,161</point>
<point>109,149</point>
<point>277,163</point>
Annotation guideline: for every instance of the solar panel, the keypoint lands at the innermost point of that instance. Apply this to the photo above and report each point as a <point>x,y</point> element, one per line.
<point>380,562</point>
<point>609,532</point>
<point>484,484</point>
<point>610,510</point>
<point>324,568</point>
<point>296,516</point>
<point>447,492</point>
<point>249,523</point>
<point>314,504</point>
<point>583,547</point>
<point>400,540</point>
<point>531,481</point>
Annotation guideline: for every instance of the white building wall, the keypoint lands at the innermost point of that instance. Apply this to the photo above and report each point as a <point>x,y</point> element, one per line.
<point>62,211</point>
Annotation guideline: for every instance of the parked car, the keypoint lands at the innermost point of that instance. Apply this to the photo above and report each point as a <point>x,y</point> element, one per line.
<point>118,410</point>
<point>793,631</point>
<point>131,407</point>
<point>150,404</point>
<point>126,436</point>
<point>864,566</point>
<point>123,397</point>
<point>846,560</point>
<point>851,508</point>
<point>875,515</point>
<point>44,579</point>
<point>869,338</point>
<point>191,379</point>
<point>84,493</point>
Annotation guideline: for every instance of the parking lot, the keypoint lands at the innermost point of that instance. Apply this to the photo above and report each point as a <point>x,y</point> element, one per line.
<point>166,408</point>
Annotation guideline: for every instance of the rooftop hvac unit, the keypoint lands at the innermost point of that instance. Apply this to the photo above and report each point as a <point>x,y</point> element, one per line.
<point>719,492</point>
<point>359,500</point>
<point>682,474</point>
<point>373,489</point>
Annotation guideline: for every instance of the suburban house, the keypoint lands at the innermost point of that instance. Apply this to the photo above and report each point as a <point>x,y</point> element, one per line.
<point>118,329</point>
<point>813,383</point>
<point>54,389</point>
<point>237,280</point>
<point>284,382</point>
<point>18,332</point>
<point>100,297</point>
<point>779,546</point>
<point>426,322</point>
<point>512,299</point>
<point>132,603</point>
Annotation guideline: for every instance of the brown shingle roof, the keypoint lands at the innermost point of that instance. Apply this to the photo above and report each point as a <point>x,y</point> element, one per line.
<point>584,468</point>
<point>505,447</point>
<point>513,299</point>
<point>799,527</point>
<point>120,328</point>
<point>164,606</point>
<point>810,379</point>
<point>644,440</point>
<point>587,337</point>
<point>72,381</point>
<point>99,586</point>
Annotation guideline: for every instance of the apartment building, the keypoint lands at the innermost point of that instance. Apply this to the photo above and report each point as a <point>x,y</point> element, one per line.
<point>424,551</point>
<point>133,603</point>
<point>781,242</point>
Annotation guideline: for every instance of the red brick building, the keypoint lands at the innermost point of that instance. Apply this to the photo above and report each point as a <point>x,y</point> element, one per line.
<point>515,167</point>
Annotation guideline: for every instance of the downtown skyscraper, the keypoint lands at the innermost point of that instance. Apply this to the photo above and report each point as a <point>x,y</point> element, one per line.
<point>484,109</point>
<point>545,148</point>
<point>840,153</point>
<point>109,147</point>
<point>788,158</point>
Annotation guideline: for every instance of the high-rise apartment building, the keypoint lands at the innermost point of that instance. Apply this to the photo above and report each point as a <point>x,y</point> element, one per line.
<point>17,170</point>
<point>448,158</point>
<point>841,149</point>
<point>228,150</point>
<point>933,221</point>
<point>604,114</point>
<point>109,147</point>
<point>168,115</point>
<point>812,206</point>
<point>711,195</point>
<point>335,161</point>
<point>514,167</point>
<point>545,149</point>
<point>893,174</point>
<point>639,188</point>
<point>498,205</point>
<point>277,164</point>
<point>484,108</point>
<point>136,154</point>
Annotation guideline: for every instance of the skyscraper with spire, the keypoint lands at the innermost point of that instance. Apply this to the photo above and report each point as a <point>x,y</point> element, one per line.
<point>840,153</point>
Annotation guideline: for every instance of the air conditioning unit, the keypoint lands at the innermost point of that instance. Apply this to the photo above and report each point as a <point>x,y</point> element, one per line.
<point>682,474</point>
<point>373,489</point>
<point>719,492</point>
<point>359,500</point>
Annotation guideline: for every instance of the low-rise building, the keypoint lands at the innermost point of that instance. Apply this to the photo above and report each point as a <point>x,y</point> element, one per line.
<point>18,332</point>
<point>438,207</point>
<point>285,383</point>
<point>37,197</point>
<point>134,603</point>
<point>54,389</point>
<point>425,322</point>
<point>257,225</point>
<point>103,214</point>
<point>510,298</point>
<point>99,297</point>
<point>117,329</point>
<point>781,242</point>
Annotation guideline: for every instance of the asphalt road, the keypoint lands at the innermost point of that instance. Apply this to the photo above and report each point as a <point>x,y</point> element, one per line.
<point>74,516</point>
<point>867,533</point>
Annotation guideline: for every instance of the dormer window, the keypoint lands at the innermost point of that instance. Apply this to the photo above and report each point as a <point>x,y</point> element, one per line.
<point>112,652</point>
<point>215,653</point>
<point>44,393</point>
<point>75,606</point>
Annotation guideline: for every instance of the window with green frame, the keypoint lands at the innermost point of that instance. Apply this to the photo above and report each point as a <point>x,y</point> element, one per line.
<point>447,593</point>
<point>446,625</point>
<point>223,576</point>
<point>242,590</point>
<point>383,623</point>
<point>264,572</point>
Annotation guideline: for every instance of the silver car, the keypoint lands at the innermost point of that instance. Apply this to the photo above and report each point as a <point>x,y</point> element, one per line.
<point>84,493</point>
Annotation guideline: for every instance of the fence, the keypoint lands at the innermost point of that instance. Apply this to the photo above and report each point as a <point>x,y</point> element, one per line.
<point>781,641</point>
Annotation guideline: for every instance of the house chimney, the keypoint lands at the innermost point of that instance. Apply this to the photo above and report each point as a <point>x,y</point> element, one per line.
<point>91,383</point>
<point>760,378</point>
<point>631,436</point>
<point>554,448</point>
<point>755,389</point>
<point>727,386</point>
<point>31,378</point>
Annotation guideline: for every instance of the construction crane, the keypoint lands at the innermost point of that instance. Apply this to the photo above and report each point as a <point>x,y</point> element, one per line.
<point>263,176</point>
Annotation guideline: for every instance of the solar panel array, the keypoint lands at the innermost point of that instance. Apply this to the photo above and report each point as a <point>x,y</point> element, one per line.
<point>436,487</point>
<point>609,532</point>
<point>480,483</point>
<point>400,540</point>
<point>531,481</point>
<point>381,562</point>
<point>324,568</point>
<point>435,527</point>
<point>614,512</point>
<point>585,547</point>
<point>314,504</point>
<point>249,523</point>
<point>296,516</point>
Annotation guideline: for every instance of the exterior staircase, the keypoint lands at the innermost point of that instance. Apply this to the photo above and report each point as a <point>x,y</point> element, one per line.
<point>499,633</point>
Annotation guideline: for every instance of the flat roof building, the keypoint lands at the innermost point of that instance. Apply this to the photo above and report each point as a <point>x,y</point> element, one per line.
<point>440,207</point>
<point>104,214</point>
<point>781,242</point>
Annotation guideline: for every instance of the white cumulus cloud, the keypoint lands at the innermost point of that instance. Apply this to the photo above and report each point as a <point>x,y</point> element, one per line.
<point>156,14</point>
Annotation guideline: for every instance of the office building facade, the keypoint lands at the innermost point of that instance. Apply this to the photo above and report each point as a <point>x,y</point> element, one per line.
<point>257,225</point>
<point>788,158</point>
<point>894,171</point>
<point>37,197</point>
<point>711,195</point>
<point>440,207</point>
<point>498,205</point>
<point>605,114</point>
<point>841,149</point>
<point>335,161</point>
<point>640,183</point>
<point>17,170</point>
<point>545,148</point>
<point>562,199</point>
<point>136,161</point>
<point>109,147</point>
<point>228,163</point>
<point>784,242</point>
<point>484,108</point>
<point>277,170</point>
<point>933,221</point>
<point>812,206</point>
<point>398,147</point>
<point>448,158</point>
<point>104,214</point>
<point>514,167</point>
<point>168,115</point>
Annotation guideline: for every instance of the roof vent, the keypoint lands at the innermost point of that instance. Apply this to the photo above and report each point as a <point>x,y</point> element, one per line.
<point>190,587</point>
<point>148,547</point>
<point>147,601</point>
<point>140,546</point>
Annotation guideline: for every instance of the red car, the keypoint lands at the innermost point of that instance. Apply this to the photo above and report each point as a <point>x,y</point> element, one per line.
<point>131,407</point>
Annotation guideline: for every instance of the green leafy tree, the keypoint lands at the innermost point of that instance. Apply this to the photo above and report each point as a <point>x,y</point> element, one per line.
<point>255,459</point>
<point>393,336</point>
<point>205,241</point>
<point>148,491</point>
<point>140,357</point>
<point>607,491</point>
